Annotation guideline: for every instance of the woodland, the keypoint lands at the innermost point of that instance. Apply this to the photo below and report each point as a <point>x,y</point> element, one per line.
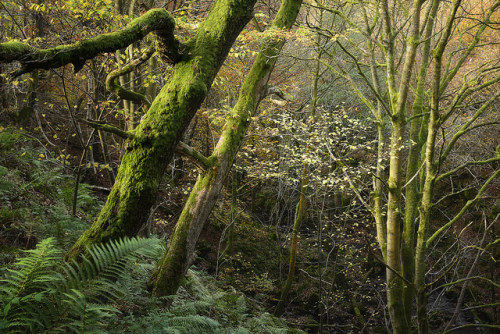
<point>243,166</point>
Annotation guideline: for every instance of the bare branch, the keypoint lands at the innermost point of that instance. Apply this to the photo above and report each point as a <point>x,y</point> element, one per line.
<point>464,209</point>
<point>468,163</point>
<point>465,128</point>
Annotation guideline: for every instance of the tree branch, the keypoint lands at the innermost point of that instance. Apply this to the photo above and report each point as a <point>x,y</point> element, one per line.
<point>464,209</point>
<point>123,93</point>
<point>466,126</point>
<point>276,91</point>
<point>199,159</point>
<point>382,262</point>
<point>100,125</point>
<point>31,58</point>
<point>468,163</point>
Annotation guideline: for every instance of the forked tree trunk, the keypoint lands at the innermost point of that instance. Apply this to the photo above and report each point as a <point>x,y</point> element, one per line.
<point>396,242</point>
<point>177,259</point>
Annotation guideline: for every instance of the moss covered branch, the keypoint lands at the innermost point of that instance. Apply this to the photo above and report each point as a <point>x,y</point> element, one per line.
<point>199,159</point>
<point>274,90</point>
<point>114,87</point>
<point>100,125</point>
<point>31,58</point>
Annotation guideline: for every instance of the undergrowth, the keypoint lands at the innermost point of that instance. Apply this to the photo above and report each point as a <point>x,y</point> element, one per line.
<point>36,195</point>
<point>105,293</point>
<point>42,294</point>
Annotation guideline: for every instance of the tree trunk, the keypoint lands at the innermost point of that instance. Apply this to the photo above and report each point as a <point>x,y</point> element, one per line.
<point>414,160</point>
<point>299,217</point>
<point>229,250</point>
<point>154,140</point>
<point>430,176</point>
<point>177,259</point>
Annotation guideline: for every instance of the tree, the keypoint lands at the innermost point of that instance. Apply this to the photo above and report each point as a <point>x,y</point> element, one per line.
<point>176,261</point>
<point>416,125</point>
<point>151,145</point>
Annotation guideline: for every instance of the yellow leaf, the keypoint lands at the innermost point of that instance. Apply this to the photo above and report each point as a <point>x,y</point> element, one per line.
<point>42,155</point>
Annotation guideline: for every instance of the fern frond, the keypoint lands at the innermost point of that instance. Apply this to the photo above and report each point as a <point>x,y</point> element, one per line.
<point>42,294</point>
<point>106,263</point>
<point>22,290</point>
<point>193,324</point>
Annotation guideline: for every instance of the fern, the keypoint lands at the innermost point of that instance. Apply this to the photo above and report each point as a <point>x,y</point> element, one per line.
<point>44,295</point>
<point>200,307</point>
<point>166,322</point>
<point>22,290</point>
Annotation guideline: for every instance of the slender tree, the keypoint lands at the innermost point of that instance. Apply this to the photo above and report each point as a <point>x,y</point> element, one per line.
<point>417,124</point>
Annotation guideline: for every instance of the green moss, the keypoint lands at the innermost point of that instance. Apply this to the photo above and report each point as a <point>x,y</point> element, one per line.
<point>13,50</point>
<point>14,47</point>
<point>77,53</point>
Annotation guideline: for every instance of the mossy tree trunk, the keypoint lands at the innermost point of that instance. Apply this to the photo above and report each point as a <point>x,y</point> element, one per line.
<point>299,218</point>
<point>174,264</point>
<point>401,322</point>
<point>229,250</point>
<point>413,185</point>
<point>155,138</point>
<point>120,59</point>
<point>430,175</point>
